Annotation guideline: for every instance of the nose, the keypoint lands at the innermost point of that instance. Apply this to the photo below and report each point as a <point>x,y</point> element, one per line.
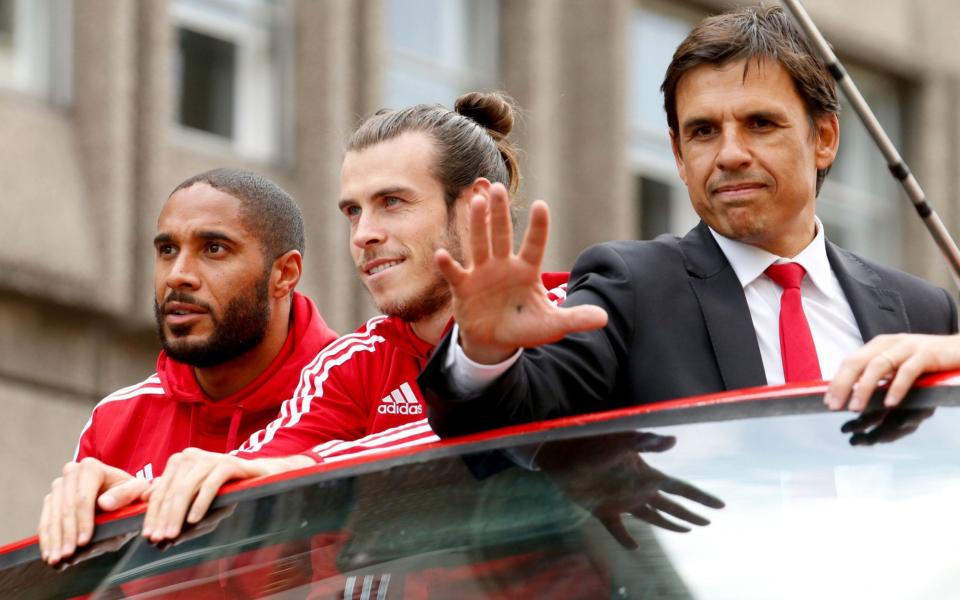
<point>182,275</point>
<point>734,153</point>
<point>368,231</point>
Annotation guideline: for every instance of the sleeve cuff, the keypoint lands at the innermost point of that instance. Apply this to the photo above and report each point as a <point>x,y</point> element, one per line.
<point>469,377</point>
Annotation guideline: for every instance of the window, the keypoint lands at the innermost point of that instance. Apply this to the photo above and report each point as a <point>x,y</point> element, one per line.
<point>439,49</point>
<point>860,201</point>
<point>230,72</point>
<point>663,205</point>
<point>35,47</point>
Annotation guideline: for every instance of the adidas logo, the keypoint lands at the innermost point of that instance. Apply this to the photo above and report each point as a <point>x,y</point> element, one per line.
<point>400,401</point>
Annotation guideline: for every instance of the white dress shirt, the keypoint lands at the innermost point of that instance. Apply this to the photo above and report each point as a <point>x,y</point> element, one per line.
<point>832,324</point>
<point>834,329</point>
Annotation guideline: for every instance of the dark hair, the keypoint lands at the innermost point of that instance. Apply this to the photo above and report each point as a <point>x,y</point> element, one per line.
<point>470,140</point>
<point>754,33</point>
<point>266,210</point>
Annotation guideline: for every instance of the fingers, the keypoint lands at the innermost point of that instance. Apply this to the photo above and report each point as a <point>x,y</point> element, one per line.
<point>860,373</point>
<point>479,232</point>
<point>650,515</point>
<point>72,503</point>
<point>535,239</point>
<point>644,441</point>
<point>54,532</point>
<point>586,317</point>
<point>208,491</point>
<point>614,524</point>
<point>42,535</point>
<point>689,491</point>
<point>449,268</point>
<point>123,494</point>
<point>501,225</point>
<point>679,511</point>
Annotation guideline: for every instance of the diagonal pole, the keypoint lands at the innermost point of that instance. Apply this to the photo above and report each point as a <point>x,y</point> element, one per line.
<point>895,162</point>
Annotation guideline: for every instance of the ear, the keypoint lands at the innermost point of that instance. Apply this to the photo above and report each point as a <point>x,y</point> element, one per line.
<point>285,274</point>
<point>827,130</point>
<point>480,185</point>
<point>677,156</point>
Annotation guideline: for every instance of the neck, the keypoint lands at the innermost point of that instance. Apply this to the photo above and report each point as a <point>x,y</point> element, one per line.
<point>430,329</point>
<point>228,378</point>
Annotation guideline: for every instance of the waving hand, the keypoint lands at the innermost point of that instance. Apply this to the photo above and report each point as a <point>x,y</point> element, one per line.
<point>498,300</point>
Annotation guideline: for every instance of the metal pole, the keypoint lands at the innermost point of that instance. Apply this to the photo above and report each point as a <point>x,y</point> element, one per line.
<point>895,162</point>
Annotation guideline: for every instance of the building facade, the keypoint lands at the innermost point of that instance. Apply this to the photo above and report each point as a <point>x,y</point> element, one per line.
<point>105,105</point>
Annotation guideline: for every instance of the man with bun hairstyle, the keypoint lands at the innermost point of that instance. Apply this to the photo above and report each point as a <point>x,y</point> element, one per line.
<point>753,295</point>
<point>235,336</point>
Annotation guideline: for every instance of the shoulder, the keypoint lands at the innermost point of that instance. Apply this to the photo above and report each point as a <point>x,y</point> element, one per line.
<point>345,354</point>
<point>631,260</point>
<point>887,276</point>
<point>149,388</point>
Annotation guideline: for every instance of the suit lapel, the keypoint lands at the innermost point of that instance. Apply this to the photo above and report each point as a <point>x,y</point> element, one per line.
<point>877,309</point>
<point>724,309</point>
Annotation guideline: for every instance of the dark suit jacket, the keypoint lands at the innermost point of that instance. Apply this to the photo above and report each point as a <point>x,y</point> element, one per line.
<point>678,326</point>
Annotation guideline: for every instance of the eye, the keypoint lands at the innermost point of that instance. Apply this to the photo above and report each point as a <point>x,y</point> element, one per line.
<point>703,131</point>
<point>392,201</point>
<point>762,123</point>
<point>351,211</point>
<point>166,250</point>
<point>216,248</point>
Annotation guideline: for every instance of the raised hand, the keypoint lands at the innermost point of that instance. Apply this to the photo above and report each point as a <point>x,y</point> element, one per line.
<point>899,359</point>
<point>190,482</point>
<point>607,476</point>
<point>66,521</point>
<point>499,301</point>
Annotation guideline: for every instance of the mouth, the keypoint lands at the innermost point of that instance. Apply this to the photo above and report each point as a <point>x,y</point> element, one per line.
<point>378,266</point>
<point>179,313</point>
<point>737,190</point>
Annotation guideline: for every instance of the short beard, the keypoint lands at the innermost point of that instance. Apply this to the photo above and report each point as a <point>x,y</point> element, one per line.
<point>437,293</point>
<point>242,328</point>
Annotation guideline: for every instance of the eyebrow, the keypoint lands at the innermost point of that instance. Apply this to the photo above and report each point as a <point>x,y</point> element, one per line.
<point>695,122</point>
<point>387,191</point>
<point>206,234</point>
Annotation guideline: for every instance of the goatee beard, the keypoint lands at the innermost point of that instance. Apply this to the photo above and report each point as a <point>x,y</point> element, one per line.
<point>241,328</point>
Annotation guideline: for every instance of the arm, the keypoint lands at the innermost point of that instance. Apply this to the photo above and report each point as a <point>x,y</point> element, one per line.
<point>574,375</point>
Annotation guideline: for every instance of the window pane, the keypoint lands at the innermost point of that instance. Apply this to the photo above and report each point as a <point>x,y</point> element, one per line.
<point>207,69</point>
<point>6,22</point>
<point>437,49</point>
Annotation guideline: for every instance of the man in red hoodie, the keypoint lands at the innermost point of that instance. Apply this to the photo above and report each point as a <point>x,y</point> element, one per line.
<point>235,337</point>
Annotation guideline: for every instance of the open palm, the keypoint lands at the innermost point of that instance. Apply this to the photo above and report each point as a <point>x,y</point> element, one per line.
<point>499,301</point>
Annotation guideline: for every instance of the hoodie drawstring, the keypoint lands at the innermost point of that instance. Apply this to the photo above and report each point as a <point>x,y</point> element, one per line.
<point>234,429</point>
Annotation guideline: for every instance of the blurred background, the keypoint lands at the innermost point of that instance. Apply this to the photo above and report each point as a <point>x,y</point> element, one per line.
<point>105,105</point>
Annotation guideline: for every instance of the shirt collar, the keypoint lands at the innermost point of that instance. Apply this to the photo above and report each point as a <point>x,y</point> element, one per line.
<point>749,262</point>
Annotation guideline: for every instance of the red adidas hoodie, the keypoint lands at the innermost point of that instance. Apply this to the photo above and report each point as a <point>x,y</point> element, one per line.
<point>137,428</point>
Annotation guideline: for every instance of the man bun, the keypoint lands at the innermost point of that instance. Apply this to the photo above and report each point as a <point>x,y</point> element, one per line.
<point>494,112</point>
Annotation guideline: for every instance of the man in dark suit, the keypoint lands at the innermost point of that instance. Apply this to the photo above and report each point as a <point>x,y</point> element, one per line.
<point>753,295</point>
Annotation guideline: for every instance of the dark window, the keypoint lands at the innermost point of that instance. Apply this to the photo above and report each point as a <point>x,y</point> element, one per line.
<point>206,70</point>
<point>6,22</point>
<point>654,207</point>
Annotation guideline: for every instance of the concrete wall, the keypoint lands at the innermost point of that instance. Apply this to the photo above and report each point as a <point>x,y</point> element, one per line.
<point>83,184</point>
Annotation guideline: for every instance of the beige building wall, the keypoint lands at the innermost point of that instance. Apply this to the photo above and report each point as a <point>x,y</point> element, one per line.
<point>84,179</point>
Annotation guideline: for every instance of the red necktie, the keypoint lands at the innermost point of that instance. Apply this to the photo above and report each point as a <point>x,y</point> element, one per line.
<point>797,351</point>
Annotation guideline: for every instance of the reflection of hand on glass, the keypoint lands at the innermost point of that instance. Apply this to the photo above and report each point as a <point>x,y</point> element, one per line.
<point>884,426</point>
<point>607,476</point>
<point>898,358</point>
